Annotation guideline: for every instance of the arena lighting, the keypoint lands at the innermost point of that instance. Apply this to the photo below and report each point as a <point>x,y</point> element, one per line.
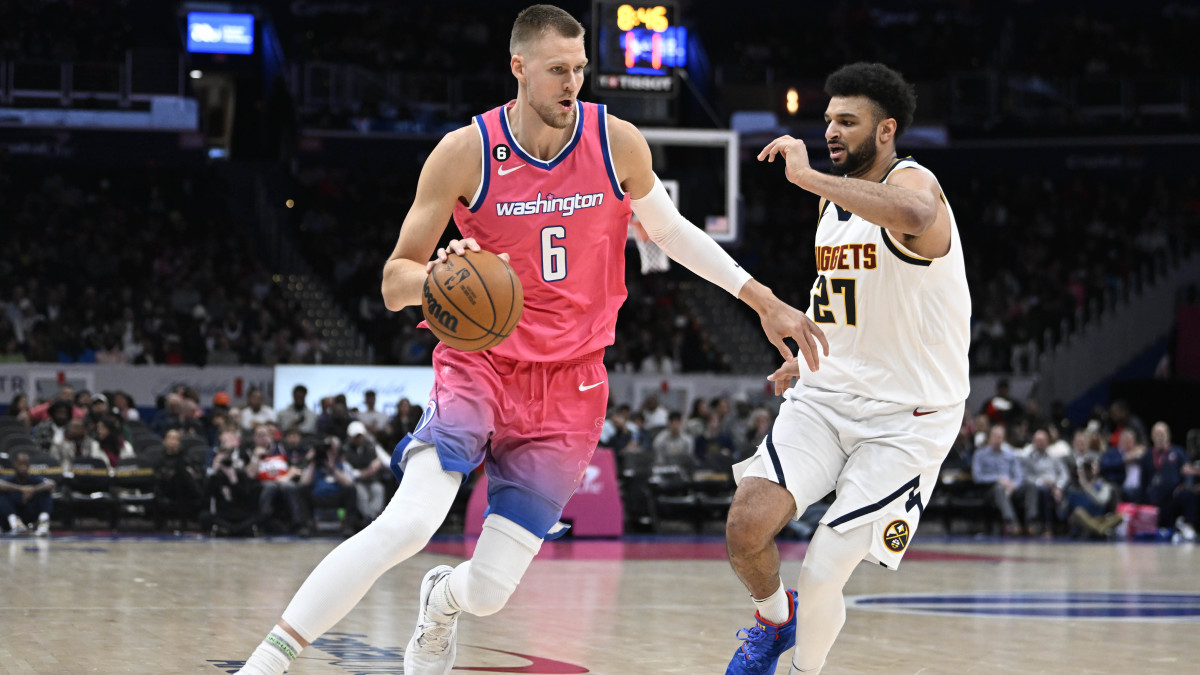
<point>196,74</point>
<point>793,101</point>
<point>289,203</point>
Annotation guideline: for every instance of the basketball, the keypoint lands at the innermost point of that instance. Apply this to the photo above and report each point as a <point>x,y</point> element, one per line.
<point>472,302</point>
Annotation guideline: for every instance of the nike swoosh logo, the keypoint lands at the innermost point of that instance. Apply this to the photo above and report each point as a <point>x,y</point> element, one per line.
<point>581,385</point>
<point>504,172</point>
<point>918,413</point>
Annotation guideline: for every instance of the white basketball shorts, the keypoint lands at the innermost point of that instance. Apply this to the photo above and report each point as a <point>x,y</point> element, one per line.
<point>881,458</point>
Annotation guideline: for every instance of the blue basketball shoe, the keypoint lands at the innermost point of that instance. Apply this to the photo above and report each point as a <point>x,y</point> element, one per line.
<point>764,643</point>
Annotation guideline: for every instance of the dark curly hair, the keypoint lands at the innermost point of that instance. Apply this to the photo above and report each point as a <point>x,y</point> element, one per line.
<point>884,86</point>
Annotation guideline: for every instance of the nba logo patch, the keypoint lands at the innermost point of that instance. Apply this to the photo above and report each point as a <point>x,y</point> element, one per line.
<point>895,535</point>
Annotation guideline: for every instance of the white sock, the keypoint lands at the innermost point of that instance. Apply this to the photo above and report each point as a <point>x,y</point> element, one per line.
<point>273,655</point>
<point>14,523</point>
<point>796,671</point>
<point>775,607</point>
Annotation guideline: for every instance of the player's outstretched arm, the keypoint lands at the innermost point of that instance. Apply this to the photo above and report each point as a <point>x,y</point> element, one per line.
<point>694,249</point>
<point>451,173</point>
<point>908,204</point>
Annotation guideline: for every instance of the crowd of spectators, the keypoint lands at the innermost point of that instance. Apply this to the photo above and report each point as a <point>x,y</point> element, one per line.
<point>303,468</point>
<point>137,266</point>
<point>1019,42</point>
<point>65,30</point>
<point>1045,477</point>
<point>232,470</point>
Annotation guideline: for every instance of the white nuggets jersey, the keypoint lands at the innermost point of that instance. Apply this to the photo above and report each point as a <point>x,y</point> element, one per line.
<point>898,325</point>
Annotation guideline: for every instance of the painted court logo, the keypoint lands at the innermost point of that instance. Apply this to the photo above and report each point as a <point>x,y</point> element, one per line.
<point>1079,605</point>
<point>895,535</point>
<point>351,653</point>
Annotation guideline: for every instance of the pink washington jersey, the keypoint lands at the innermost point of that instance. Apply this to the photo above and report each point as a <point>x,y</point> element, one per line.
<point>563,222</point>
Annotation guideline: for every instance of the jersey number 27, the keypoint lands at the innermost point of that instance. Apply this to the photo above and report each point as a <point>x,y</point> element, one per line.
<point>821,311</point>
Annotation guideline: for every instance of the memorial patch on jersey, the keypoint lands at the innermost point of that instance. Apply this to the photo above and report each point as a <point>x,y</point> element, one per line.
<point>501,152</point>
<point>895,535</point>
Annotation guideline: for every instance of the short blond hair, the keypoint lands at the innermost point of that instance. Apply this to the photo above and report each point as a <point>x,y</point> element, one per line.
<point>537,20</point>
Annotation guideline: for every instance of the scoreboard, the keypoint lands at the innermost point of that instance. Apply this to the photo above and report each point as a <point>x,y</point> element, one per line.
<point>638,48</point>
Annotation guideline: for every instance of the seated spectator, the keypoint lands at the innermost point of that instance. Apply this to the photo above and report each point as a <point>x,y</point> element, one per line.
<point>232,495</point>
<point>76,443</point>
<point>1164,484</point>
<point>654,415</point>
<point>699,418</point>
<point>123,407</point>
<point>1132,452</point>
<point>298,414</point>
<point>276,477</point>
<point>674,447</point>
<point>1112,461</point>
<point>1059,448</point>
<point>294,448</point>
<point>757,428</point>
<point>403,422</point>
<point>41,411</point>
<point>620,434</point>
<point>1081,452</point>
<point>996,466</point>
<point>25,499</point>
<point>715,447</point>
<point>334,421</point>
<point>1045,482</point>
<point>110,441</point>
<point>19,408</point>
<point>1001,408</point>
<point>363,454</point>
<point>178,481</point>
<point>255,413</point>
<point>1090,502</point>
<point>328,482</point>
<point>1121,418</point>
<point>374,420</point>
<point>189,421</point>
<point>51,430</point>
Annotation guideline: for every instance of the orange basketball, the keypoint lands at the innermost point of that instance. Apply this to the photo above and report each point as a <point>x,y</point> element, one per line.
<point>472,302</point>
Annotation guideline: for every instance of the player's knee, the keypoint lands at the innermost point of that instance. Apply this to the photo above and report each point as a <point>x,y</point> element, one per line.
<point>745,533</point>
<point>487,590</point>
<point>402,533</point>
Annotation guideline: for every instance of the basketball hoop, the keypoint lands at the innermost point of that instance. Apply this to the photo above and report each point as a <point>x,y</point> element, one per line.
<point>654,259</point>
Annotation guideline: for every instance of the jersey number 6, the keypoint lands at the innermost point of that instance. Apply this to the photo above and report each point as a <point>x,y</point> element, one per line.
<point>821,311</point>
<point>554,258</point>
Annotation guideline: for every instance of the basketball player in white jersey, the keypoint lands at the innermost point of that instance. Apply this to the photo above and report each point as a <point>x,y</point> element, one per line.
<point>875,421</point>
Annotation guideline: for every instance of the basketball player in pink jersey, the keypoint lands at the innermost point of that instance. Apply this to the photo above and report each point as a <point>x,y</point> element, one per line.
<point>548,182</point>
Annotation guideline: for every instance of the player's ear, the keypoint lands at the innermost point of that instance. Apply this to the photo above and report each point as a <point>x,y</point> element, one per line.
<point>517,65</point>
<point>886,131</point>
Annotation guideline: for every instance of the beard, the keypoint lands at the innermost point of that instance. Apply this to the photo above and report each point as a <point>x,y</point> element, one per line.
<point>856,160</point>
<point>553,115</point>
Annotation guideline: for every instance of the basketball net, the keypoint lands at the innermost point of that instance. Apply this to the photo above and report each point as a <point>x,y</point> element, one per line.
<point>654,259</point>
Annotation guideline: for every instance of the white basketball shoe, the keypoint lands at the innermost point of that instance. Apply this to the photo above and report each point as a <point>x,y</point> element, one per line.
<point>431,648</point>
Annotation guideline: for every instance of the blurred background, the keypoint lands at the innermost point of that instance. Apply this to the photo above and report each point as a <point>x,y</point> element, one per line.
<point>198,198</point>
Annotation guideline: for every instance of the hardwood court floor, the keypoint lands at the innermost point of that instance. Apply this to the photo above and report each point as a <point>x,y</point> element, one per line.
<point>151,605</point>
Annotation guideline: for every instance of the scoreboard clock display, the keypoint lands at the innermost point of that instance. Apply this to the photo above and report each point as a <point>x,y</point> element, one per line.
<point>638,48</point>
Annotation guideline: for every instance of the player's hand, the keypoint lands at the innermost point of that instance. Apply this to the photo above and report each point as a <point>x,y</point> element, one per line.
<point>795,156</point>
<point>781,321</point>
<point>457,247</point>
<point>785,375</point>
